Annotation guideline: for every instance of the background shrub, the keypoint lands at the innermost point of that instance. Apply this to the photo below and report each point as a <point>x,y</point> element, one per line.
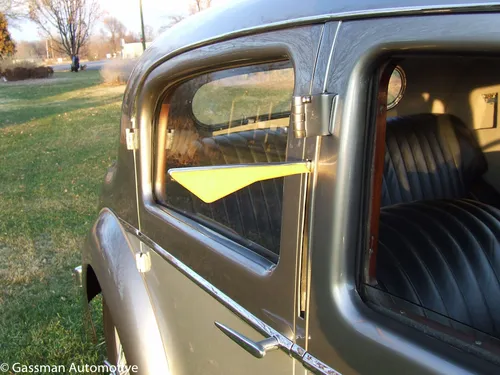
<point>17,71</point>
<point>117,72</point>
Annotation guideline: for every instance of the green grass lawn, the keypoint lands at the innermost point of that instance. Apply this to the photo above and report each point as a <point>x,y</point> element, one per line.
<point>57,138</point>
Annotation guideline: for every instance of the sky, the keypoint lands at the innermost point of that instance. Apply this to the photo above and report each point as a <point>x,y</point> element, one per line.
<point>156,14</point>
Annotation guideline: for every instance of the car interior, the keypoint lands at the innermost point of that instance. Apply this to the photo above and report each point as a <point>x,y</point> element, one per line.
<point>435,246</point>
<point>437,253</point>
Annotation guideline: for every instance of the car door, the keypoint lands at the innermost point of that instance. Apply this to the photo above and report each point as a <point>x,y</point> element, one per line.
<point>347,333</point>
<point>232,262</point>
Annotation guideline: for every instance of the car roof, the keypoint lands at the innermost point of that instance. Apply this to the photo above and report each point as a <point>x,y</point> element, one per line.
<point>241,17</point>
<point>244,15</point>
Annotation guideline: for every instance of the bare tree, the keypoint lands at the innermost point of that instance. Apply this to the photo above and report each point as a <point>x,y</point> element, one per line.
<point>116,31</point>
<point>13,9</point>
<point>132,37</point>
<point>172,20</point>
<point>27,50</point>
<point>68,23</point>
<point>97,48</point>
<point>197,6</point>
<point>149,32</point>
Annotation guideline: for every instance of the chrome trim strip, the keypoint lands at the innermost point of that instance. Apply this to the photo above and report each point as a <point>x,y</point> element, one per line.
<point>320,41</point>
<point>136,179</point>
<point>77,276</point>
<point>316,366</point>
<point>284,343</point>
<point>330,58</point>
<point>362,14</point>
<point>110,366</point>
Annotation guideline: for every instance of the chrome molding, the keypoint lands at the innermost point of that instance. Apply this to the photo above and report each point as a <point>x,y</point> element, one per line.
<point>342,16</point>
<point>330,58</point>
<point>316,58</point>
<point>77,276</point>
<point>316,366</point>
<point>110,366</point>
<point>284,343</point>
<point>401,93</point>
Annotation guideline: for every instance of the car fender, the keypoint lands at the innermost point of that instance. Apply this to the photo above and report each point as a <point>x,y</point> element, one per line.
<point>109,254</point>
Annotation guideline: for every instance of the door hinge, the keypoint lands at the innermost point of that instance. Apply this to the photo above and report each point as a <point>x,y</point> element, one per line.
<point>143,261</point>
<point>312,114</point>
<point>132,137</point>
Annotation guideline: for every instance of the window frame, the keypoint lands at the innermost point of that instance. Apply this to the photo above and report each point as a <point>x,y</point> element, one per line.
<point>159,183</point>
<point>343,329</point>
<point>254,281</point>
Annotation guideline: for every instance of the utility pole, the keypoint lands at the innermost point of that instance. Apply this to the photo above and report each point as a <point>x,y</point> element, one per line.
<point>143,39</point>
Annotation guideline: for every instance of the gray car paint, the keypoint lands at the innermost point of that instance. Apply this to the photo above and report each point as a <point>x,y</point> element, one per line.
<point>266,290</point>
<point>194,345</point>
<point>110,251</point>
<point>341,323</point>
<point>108,245</point>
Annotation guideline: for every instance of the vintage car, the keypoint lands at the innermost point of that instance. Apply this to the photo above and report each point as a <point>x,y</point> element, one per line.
<point>307,186</point>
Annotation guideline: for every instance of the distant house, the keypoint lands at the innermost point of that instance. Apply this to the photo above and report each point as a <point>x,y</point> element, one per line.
<point>132,50</point>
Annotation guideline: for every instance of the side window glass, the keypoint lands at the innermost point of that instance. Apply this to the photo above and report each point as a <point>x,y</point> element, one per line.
<point>233,116</point>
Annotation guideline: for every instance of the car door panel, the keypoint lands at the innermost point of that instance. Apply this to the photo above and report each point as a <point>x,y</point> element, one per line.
<point>194,345</point>
<point>263,289</point>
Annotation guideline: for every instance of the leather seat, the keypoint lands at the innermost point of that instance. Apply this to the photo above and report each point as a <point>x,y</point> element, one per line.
<point>444,256</point>
<point>431,157</point>
<point>437,250</point>
<point>427,157</point>
<point>253,212</point>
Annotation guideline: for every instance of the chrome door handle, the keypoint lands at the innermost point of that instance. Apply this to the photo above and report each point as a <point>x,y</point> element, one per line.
<point>257,349</point>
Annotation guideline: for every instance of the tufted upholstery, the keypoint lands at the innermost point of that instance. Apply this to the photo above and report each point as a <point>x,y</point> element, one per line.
<point>253,212</point>
<point>439,254</point>
<point>444,255</point>
<point>427,157</point>
<point>430,157</point>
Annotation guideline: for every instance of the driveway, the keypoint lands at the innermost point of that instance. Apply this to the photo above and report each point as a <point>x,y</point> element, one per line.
<point>91,65</point>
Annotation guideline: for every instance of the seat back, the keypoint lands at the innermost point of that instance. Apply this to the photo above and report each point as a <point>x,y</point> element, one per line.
<point>429,157</point>
<point>253,212</point>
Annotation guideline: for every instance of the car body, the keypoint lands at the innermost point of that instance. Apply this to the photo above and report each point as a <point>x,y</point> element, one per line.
<point>187,297</point>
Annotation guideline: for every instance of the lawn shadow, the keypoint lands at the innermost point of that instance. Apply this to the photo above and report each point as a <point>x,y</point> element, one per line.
<point>60,83</point>
<point>24,103</point>
<point>23,115</point>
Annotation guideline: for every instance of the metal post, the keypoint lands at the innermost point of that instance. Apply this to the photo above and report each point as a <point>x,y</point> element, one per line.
<point>142,28</point>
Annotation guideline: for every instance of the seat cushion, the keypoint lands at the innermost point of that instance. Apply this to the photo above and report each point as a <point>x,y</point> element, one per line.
<point>444,256</point>
<point>430,157</point>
